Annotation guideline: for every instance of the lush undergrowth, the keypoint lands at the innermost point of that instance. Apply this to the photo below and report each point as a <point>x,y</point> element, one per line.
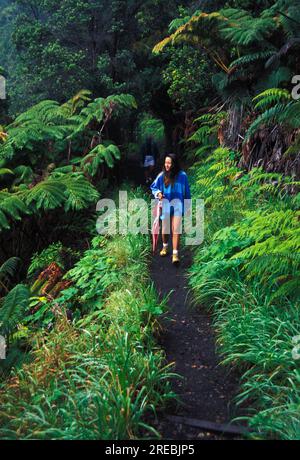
<point>247,273</point>
<point>98,376</point>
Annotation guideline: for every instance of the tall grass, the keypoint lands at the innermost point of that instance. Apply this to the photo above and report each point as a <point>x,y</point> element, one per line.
<point>99,376</point>
<point>247,272</point>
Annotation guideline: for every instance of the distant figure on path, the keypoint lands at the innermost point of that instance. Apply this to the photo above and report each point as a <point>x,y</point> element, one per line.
<point>149,153</point>
<point>171,185</point>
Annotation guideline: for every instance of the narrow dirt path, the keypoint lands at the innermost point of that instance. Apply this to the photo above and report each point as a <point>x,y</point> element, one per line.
<point>207,389</point>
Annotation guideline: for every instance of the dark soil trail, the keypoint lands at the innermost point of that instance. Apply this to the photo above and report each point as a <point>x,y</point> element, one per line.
<point>207,389</point>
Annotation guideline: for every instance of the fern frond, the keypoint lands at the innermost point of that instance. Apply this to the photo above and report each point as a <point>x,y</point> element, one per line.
<point>243,29</point>
<point>251,58</point>
<point>11,206</point>
<point>46,112</point>
<point>270,116</point>
<point>200,30</point>
<point>79,192</point>
<point>121,101</point>
<point>270,97</point>
<point>201,135</point>
<point>291,116</point>
<point>179,22</point>
<point>5,171</point>
<point>48,194</point>
<point>9,267</point>
<point>203,150</point>
<point>97,110</point>
<point>294,148</point>
<point>78,101</point>
<point>13,307</point>
<point>23,174</point>
<point>289,288</point>
<point>99,155</point>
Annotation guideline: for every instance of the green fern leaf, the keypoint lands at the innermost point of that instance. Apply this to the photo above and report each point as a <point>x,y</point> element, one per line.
<point>13,307</point>
<point>8,268</point>
<point>48,194</point>
<point>79,192</point>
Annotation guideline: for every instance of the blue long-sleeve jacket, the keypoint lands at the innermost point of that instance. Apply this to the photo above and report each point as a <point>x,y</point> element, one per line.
<point>180,191</point>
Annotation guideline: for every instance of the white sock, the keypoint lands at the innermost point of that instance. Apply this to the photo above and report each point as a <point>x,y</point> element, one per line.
<point>165,245</point>
<point>175,251</point>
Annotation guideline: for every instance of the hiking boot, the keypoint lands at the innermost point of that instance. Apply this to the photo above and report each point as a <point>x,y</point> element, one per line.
<point>163,252</point>
<point>175,259</point>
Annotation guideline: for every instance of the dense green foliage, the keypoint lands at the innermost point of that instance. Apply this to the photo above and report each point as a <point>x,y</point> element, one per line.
<point>212,80</point>
<point>57,48</point>
<point>97,377</point>
<point>252,48</point>
<point>248,273</point>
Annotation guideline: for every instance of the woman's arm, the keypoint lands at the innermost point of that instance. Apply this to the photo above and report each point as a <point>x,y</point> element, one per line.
<point>187,196</point>
<point>187,189</point>
<point>157,185</point>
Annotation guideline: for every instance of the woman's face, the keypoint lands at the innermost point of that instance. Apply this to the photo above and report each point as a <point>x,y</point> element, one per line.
<point>168,163</point>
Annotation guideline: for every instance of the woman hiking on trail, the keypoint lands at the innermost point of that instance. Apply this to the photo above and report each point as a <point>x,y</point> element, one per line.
<point>172,188</point>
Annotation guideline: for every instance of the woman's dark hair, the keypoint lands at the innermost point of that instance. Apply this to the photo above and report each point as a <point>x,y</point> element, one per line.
<point>170,176</point>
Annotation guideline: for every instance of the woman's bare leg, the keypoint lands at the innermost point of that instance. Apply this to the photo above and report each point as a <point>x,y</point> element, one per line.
<point>176,232</point>
<point>165,231</point>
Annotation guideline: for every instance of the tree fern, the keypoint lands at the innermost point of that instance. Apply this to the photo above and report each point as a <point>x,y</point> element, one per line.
<point>269,117</point>
<point>243,29</point>
<point>209,126</point>
<point>272,96</point>
<point>179,22</point>
<point>78,101</point>
<point>100,108</point>
<point>48,194</point>
<point>202,31</point>
<point>23,174</point>
<point>251,58</point>
<point>99,155</point>
<point>13,307</point>
<point>47,112</point>
<point>78,192</point>
<point>291,115</point>
<point>48,121</point>
<point>11,206</point>
<point>278,108</point>
<point>9,267</point>
<point>73,191</point>
<point>28,135</point>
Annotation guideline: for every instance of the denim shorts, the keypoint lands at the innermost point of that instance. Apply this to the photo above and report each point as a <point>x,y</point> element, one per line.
<point>172,210</point>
